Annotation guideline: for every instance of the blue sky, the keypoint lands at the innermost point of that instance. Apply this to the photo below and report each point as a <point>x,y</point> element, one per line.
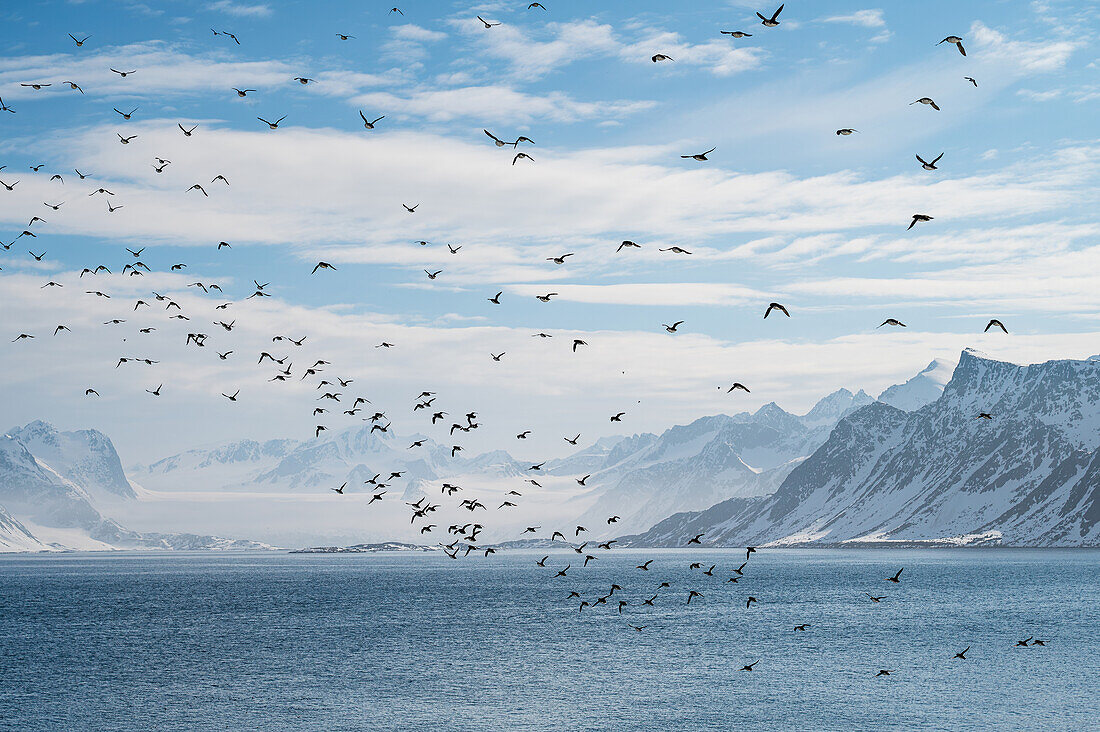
<point>783,210</point>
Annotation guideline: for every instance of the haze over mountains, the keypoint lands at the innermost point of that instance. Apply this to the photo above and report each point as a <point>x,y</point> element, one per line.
<point>852,468</point>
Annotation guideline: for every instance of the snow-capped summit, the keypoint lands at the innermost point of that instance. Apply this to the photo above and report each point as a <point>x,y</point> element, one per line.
<point>85,457</point>
<point>834,406</point>
<point>924,388</point>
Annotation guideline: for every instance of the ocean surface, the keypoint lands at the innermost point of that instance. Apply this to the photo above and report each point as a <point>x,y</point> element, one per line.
<point>410,641</point>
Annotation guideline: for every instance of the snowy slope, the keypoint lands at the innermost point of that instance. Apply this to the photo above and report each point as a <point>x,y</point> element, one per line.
<point>85,457</point>
<point>1029,476</point>
<point>924,388</point>
<point>15,537</point>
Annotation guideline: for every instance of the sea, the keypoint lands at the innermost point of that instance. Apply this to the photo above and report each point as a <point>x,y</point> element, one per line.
<point>278,642</point>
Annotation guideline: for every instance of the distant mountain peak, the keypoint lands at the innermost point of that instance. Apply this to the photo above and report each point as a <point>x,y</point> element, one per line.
<point>924,388</point>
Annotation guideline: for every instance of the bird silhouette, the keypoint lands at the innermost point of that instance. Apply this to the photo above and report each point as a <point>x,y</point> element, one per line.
<point>772,21</point>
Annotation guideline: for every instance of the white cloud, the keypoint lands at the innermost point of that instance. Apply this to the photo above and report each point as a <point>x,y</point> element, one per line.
<point>471,194</point>
<point>531,57</point>
<point>719,57</point>
<point>160,70</point>
<point>500,104</point>
<point>1029,56</point>
<point>412,32</point>
<point>242,10</point>
<point>865,18</point>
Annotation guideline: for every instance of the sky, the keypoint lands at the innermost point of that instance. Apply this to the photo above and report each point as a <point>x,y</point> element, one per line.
<point>784,209</point>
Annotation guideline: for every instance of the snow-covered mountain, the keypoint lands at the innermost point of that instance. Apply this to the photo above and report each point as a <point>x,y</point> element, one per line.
<point>1028,476</point>
<point>15,537</point>
<point>924,388</point>
<point>690,467</point>
<point>86,457</point>
<point>642,478</point>
<point>50,500</point>
<point>352,455</point>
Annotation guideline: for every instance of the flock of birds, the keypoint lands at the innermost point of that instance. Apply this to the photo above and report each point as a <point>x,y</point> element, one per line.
<point>334,392</point>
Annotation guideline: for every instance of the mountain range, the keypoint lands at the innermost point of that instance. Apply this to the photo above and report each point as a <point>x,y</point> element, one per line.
<point>915,464</point>
<point>1027,473</point>
<point>50,499</point>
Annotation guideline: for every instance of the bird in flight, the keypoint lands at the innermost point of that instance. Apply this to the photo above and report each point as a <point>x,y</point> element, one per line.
<point>928,101</point>
<point>272,125</point>
<point>736,34</point>
<point>896,579</point>
<point>370,123</point>
<point>929,165</point>
<point>738,385</point>
<point>699,156</point>
<point>672,328</point>
<point>772,21</point>
<point>893,321</point>
<point>80,42</point>
<point>918,218</point>
<point>994,323</point>
<point>962,654</point>
<point>322,265</point>
<point>660,57</point>
<point>957,41</point>
<point>775,306</point>
<point>486,23</point>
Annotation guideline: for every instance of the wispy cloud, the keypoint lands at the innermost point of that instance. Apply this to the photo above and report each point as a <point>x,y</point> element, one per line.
<point>875,18</point>
<point>241,10</point>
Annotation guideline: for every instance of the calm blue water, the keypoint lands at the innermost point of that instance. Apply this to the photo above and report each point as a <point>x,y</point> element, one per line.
<point>419,642</point>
